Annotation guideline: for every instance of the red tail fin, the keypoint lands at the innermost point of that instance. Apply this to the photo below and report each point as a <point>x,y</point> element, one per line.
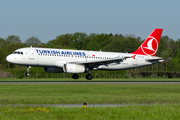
<point>150,45</point>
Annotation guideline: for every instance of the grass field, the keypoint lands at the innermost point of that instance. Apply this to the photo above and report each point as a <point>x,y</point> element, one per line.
<point>155,112</point>
<point>91,94</point>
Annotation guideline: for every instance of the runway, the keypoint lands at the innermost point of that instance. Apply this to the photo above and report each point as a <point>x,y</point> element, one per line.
<point>89,82</point>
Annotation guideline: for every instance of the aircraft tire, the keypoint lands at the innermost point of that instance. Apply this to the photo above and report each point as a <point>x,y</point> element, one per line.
<point>27,74</point>
<point>89,77</point>
<point>75,76</point>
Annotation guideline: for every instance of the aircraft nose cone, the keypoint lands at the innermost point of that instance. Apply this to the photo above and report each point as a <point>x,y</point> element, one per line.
<point>9,58</point>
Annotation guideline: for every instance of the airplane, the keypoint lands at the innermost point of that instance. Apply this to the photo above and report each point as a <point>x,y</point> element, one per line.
<point>81,61</point>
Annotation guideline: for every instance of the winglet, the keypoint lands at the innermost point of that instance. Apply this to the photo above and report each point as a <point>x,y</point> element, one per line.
<point>150,45</point>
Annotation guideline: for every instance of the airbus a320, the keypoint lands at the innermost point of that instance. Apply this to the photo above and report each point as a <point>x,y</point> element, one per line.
<point>81,61</point>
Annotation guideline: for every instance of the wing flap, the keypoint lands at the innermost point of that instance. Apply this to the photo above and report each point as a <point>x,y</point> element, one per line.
<point>96,63</point>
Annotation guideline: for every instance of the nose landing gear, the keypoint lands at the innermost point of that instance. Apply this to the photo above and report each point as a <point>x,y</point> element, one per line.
<point>27,74</point>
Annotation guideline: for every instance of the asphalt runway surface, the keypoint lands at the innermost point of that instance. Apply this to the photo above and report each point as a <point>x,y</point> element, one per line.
<point>89,82</point>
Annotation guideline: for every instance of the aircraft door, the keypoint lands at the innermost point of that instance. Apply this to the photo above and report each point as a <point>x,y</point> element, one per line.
<point>31,53</point>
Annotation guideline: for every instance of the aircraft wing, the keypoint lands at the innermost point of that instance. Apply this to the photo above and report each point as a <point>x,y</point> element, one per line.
<point>96,63</point>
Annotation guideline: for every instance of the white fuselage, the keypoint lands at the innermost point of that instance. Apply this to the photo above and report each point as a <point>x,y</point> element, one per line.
<point>47,57</point>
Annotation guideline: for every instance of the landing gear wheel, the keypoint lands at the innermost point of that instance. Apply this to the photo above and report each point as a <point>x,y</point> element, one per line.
<point>75,76</point>
<point>27,74</point>
<point>89,77</point>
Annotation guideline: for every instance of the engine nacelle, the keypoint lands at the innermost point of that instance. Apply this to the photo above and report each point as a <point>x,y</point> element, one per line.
<point>74,68</point>
<point>53,69</point>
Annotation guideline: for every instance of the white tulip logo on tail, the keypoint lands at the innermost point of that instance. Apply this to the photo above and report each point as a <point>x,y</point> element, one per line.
<point>150,46</point>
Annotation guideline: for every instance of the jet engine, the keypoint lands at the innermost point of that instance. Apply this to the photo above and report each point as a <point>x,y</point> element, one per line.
<point>53,69</point>
<point>74,68</point>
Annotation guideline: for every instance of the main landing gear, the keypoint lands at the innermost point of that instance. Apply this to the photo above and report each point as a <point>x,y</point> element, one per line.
<point>75,76</point>
<point>27,74</point>
<point>88,76</point>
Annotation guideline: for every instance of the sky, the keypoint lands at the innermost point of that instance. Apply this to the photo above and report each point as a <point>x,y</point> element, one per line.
<point>47,19</point>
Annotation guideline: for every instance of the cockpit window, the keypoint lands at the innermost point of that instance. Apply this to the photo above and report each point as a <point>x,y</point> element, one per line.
<point>18,52</point>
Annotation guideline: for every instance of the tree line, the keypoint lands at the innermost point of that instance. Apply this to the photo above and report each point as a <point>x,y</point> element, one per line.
<point>168,48</point>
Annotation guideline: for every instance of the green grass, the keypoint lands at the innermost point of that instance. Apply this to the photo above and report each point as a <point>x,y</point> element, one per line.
<point>97,79</point>
<point>89,93</point>
<point>154,112</point>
